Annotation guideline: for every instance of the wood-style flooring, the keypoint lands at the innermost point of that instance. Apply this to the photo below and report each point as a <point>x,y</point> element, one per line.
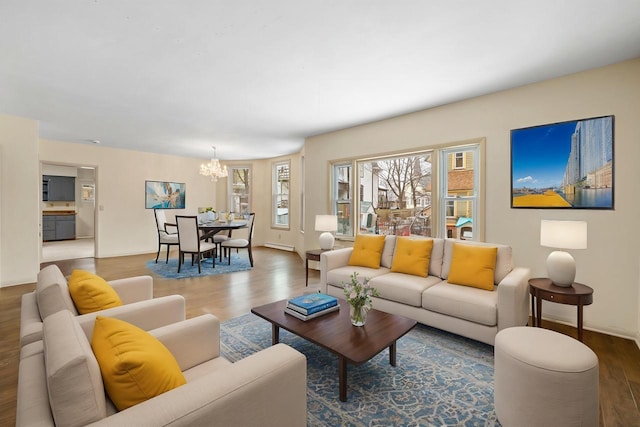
<point>278,275</point>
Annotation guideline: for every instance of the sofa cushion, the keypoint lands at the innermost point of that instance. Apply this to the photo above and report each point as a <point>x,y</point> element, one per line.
<point>135,366</point>
<point>52,292</point>
<point>387,252</point>
<point>74,384</point>
<point>403,288</point>
<point>473,266</point>
<point>367,251</point>
<point>341,275</point>
<point>463,302</point>
<point>91,293</point>
<point>504,262</point>
<point>412,256</point>
<point>437,256</point>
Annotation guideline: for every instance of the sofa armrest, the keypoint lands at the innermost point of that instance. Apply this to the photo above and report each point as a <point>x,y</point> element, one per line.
<point>330,260</point>
<point>193,341</point>
<point>147,315</point>
<point>30,321</point>
<point>513,298</point>
<point>268,388</point>
<point>133,289</point>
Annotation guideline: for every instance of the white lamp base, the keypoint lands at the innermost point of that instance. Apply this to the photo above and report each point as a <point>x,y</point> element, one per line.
<point>326,241</point>
<point>561,268</point>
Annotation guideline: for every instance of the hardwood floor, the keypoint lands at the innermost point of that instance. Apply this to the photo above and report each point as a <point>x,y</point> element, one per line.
<point>278,275</point>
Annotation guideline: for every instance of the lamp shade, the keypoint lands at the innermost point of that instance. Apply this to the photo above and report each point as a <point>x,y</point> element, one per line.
<point>563,234</point>
<point>326,223</point>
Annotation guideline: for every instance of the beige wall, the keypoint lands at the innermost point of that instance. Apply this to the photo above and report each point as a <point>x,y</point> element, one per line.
<point>19,200</point>
<point>611,263</point>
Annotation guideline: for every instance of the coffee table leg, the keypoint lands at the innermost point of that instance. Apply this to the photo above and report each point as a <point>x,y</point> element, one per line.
<point>392,354</point>
<point>342,375</point>
<point>275,334</point>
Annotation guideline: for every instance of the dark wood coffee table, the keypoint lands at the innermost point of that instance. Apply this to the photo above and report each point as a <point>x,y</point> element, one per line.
<point>334,332</point>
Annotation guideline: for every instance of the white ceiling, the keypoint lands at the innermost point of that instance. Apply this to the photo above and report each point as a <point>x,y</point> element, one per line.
<point>254,77</point>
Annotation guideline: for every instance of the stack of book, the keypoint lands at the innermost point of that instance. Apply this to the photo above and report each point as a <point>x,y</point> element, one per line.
<point>310,306</point>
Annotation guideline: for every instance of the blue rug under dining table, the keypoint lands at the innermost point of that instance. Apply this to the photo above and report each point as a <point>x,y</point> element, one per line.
<point>239,262</point>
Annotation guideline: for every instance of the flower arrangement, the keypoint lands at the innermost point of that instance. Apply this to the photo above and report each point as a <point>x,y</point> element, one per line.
<point>359,298</point>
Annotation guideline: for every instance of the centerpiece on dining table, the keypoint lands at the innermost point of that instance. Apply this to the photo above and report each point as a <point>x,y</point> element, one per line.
<point>359,298</point>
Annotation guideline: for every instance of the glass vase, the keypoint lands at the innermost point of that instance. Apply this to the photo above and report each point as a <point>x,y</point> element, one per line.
<point>358,315</point>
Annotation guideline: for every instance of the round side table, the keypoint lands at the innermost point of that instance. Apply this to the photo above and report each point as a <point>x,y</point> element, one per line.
<point>543,289</point>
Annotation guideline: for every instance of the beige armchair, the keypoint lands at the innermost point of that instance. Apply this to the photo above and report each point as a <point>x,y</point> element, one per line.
<point>65,388</point>
<point>52,295</point>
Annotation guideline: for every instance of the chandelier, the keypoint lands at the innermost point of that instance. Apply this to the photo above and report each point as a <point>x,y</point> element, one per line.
<point>213,168</point>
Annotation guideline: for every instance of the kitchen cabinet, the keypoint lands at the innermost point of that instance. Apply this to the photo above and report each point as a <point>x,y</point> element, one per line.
<point>58,188</point>
<point>58,227</point>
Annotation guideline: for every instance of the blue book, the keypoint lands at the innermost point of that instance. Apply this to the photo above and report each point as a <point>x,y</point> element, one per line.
<point>312,303</point>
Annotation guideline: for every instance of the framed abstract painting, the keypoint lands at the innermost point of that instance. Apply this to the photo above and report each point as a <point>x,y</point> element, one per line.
<point>567,165</point>
<point>164,195</point>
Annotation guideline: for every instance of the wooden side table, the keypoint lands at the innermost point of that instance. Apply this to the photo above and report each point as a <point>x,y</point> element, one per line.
<point>313,255</point>
<point>543,289</point>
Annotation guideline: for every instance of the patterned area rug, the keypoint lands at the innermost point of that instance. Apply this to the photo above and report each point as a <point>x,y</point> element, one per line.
<point>440,379</point>
<point>239,262</point>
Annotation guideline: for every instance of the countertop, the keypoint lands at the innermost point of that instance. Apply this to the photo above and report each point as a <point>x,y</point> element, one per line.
<point>58,212</point>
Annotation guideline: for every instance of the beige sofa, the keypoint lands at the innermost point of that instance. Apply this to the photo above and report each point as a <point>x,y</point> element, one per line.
<point>52,295</point>
<point>471,312</point>
<point>62,385</point>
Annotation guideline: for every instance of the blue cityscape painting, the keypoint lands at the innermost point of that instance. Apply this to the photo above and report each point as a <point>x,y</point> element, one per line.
<point>563,165</point>
<point>164,195</point>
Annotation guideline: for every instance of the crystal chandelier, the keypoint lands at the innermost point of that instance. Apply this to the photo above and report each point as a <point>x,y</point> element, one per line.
<point>213,168</point>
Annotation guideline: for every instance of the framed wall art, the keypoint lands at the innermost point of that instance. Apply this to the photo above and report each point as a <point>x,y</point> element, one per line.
<point>567,165</point>
<point>164,195</point>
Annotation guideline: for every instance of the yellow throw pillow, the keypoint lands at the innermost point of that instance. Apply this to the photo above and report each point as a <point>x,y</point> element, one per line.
<point>135,366</point>
<point>473,266</point>
<point>91,293</point>
<point>367,251</point>
<point>412,256</point>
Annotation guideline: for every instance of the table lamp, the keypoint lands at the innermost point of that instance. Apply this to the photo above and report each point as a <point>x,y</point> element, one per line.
<point>326,224</point>
<point>561,267</point>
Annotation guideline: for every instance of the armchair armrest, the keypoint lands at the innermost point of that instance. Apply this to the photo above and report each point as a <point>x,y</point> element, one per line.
<point>513,300</point>
<point>268,388</point>
<point>170,228</point>
<point>192,341</point>
<point>147,315</point>
<point>133,289</point>
<point>330,260</point>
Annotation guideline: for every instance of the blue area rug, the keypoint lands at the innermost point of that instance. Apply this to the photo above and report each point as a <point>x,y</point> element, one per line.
<point>440,379</point>
<point>239,262</point>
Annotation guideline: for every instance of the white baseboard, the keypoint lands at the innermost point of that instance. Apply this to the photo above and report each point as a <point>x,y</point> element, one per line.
<point>288,248</point>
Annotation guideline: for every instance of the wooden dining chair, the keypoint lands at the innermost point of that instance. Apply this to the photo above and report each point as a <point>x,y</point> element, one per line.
<point>190,242</point>
<point>229,244</point>
<point>167,233</point>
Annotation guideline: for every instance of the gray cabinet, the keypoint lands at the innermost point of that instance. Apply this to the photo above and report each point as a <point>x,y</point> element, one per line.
<point>58,227</point>
<point>58,188</point>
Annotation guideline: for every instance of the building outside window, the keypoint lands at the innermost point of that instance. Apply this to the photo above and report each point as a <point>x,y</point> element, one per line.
<point>459,191</point>
<point>280,194</point>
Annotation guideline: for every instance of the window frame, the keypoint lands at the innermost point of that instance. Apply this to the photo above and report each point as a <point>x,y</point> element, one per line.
<point>277,197</point>
<point>438,204</point>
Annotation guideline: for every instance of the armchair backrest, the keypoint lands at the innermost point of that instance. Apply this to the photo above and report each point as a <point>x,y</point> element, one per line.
<point>252,217</point>
<point>161,218</point>
<point>188,235</point>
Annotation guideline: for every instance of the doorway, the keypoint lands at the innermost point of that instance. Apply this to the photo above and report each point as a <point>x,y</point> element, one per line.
<point>80,208</point>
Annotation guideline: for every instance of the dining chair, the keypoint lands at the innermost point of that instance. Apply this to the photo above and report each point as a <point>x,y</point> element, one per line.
<point>167,233</point>
<point>229,244</point>
<point>190,242</point>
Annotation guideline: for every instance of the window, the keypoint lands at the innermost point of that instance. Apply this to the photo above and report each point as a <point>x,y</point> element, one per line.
<point>303,207</point>
<point>342,197</point>
<point>399,195</point>
<point>280,193</point>
<point>240,190</point>
<point>396,195</point>
<point>459,191</point>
